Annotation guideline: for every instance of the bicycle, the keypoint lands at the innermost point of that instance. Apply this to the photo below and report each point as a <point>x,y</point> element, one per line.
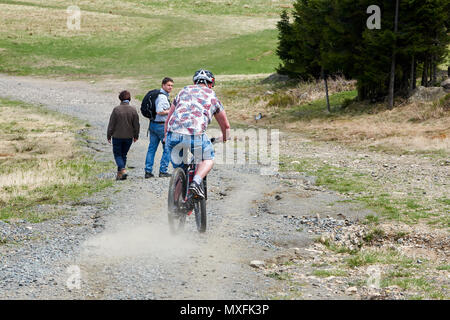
<point>181,203</point>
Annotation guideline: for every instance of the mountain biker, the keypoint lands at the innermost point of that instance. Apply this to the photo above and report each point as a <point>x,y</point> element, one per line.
<point>186,124</point>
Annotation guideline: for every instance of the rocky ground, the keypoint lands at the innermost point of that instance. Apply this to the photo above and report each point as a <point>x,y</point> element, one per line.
<point>409,258</point>
<point>268,236</point>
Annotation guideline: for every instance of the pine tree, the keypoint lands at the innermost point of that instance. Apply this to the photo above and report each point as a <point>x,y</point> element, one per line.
<point>330,37</point>
<point>285,43</point>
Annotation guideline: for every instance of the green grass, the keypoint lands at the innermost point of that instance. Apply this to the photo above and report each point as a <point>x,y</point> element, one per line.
<point>230,7</point>
<point>372,194</point>
<point>363,258</point>
<point>374,234</point>
<point>318,108</point>
<point>23,207</point>
<point>100,58</point>
<point>406,210</point>
<point>279,275</point>
<point>336,248</point>
<point>444,267</point>
<point>151,49</point>
<point>329,273</point>
<point>371,219</point>
<point>406,281</point>
<point>445,201</point>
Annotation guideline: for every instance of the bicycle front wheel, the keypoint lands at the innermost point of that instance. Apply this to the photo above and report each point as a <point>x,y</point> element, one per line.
<point>177,193</point>
<point>200,213</point>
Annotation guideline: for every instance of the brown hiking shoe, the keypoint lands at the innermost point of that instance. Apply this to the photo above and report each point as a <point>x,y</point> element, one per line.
<point>122,175</point>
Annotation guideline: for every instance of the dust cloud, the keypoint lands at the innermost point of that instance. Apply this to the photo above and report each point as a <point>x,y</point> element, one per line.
<point>138,240</point>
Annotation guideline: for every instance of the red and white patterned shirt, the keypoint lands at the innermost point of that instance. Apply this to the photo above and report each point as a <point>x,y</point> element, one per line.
<point>195,106</point>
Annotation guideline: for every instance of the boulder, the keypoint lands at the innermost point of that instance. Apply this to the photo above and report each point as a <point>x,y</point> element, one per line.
<point>275,77</point>
<point>446,84</point>
<point>427,94</point>
<point>257,264</point>
<point>351,290</point>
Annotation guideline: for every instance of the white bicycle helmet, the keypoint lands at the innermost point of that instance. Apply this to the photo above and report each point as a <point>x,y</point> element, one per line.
<point>204,76</point>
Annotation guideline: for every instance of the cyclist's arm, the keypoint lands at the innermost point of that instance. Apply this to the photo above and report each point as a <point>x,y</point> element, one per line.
<point>171,110</point>
<point>222,119</point>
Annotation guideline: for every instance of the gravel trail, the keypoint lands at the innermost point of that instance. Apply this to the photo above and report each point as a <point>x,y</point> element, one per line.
<point>123,250</point>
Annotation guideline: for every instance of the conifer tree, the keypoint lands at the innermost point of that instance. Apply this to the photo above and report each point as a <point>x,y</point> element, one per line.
<point>331,36</point>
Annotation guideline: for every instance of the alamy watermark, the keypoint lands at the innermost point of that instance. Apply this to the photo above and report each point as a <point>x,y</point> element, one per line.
<point>374,21</point>
<point>374,280</point>
<point>73,18</point>
<point>258,147</point>
<point>74,280</point>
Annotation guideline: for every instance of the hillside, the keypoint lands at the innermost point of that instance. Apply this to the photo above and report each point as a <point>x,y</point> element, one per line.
<point>139,39</point>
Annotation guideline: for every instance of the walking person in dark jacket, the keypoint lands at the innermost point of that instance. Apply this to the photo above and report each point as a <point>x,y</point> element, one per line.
<point>123,128</point>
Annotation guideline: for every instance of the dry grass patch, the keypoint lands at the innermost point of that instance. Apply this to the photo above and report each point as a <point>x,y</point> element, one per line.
<point>40,161</point>
<point>36,138</point>
<point>27,21</point>
<point>246,97</point>
<point>26,135</point>
<point>418,126</point>
<point>410,127</point>
<point>178,7</point>
<point>23,21</point>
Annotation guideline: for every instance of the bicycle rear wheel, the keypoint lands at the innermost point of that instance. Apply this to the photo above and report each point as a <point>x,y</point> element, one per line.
<point>200,215</point>
<point>177,192</point>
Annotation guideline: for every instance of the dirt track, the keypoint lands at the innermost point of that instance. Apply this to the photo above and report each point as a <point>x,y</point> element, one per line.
<point>124,249</point>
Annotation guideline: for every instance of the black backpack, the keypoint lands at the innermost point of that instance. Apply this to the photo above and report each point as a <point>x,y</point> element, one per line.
<point>148,106</point>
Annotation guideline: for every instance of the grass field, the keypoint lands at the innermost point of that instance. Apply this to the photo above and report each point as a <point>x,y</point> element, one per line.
<point>42,162</point>
<point>139,38</point>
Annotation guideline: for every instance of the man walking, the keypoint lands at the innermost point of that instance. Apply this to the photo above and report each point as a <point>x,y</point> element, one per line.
<point>123,130</point>
<point>156,129</point>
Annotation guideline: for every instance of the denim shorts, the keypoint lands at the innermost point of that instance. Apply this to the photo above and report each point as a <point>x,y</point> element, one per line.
<point>178,145</point>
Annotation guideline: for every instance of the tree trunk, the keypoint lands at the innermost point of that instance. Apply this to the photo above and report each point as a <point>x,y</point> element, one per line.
<point>412,80</point>
<point>434,78</point>
<point>422,83</point>
<point>425,70</point>
<point>326,89</point>
<point>392,76</point>
<point>415,75</point>
<point>361,95</point>
<point>391,83</point>
<point>430,71</point>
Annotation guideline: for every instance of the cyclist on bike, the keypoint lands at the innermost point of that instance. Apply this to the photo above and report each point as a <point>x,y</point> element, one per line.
<point>189,116</point>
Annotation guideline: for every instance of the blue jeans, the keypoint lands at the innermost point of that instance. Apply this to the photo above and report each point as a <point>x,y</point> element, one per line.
<point>156,136</point>
<point>120,151</point>
<point>178,146</point>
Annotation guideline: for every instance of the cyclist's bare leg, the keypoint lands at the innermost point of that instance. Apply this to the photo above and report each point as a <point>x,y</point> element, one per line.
<point>204,167</point>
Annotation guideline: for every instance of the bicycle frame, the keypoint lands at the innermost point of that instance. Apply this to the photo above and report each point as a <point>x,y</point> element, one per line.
<point>188,202</point>
<point>181,201</point>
